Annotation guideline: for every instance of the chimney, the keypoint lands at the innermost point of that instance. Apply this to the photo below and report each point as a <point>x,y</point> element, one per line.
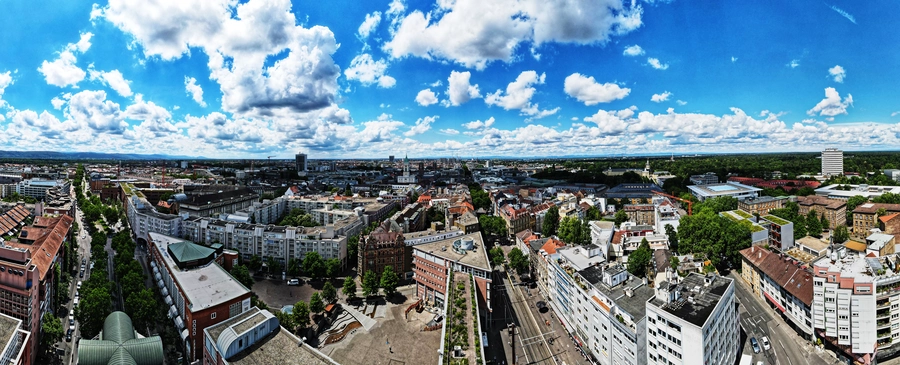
<point>708,279</point>
<point>629,292</point>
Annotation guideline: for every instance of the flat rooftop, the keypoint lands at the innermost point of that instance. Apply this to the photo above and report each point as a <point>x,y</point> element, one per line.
<point>280,348</point>
<point>444,249</point>
<point>203,286</point>
<point>635,305</point>
<point>697,300</point>
<point>727,188</point>
<point>8,326</point>
<point>576,256</point>
<point>816,244</point>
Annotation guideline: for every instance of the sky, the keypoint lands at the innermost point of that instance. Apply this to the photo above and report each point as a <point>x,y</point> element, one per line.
<point>467,78</point>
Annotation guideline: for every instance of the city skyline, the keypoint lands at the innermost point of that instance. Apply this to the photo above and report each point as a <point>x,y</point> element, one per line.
<point>504,78</point>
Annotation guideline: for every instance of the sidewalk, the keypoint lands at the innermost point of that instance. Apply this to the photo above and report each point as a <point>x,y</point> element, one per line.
<point>366,321</point>
<point>810,351</point>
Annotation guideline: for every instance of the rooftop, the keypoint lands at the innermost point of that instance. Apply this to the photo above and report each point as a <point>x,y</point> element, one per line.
<point>727,188</point>
<point>786,272</point>
<point>203,286</point>
<point>280,348</point>
<point>444,249</point>
<point>635,305</point>
<point>577,256</point>
<point>698,299</point>
<point>8,326</point>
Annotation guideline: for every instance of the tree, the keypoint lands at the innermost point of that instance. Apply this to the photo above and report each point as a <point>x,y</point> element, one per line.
<point>840,234</point>
<point>718,237</point>
<point>593,214</point>
<point>389,281</point>
<point>492,225</point>
<point>313,265</point>
<point>824,222</point>
<point>242,275</point>
<point>349,288</point>
<point>52,329</point>
<point>497,257</point>
<point>141,307</point>
<point>316,305</point>
<point>93,308</point>
<point>551,222</point>
<point>852,203</point>
<point>813,225</point>
<point>517,260</point>
<point>255,263</point>
<point>353,250</point>
<point>301,314</point>
<point>718,204</point>
<point>574,231</point>
<point>620,217</point>
<point>674,262</point>
<point>274,265</point>
<point>639,259</point>
<point>329,294</point>
<point>332,268</point>
<point>673,238</point>
<point>286,320</point>
<point>370,284</point>
<point>293,267</point>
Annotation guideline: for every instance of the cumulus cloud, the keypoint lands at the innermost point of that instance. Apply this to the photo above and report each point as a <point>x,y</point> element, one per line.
<point>449,131</point>
<point>62,71</point>
<point>518,95</point>
<point>57,103</point>
<point>477,124</point>
<point>659,98</point>
<point>655,63</point>
<point>495,29</point>
<point>459,90</point>
<point>838,73</point>
<point>92,109</point>
<point>368,71</point>
<point>793,64</point>
<point>588,91</point>
<point>369,24</point>
<point>426,97</point>
<point>634,50</point>
<point>194,90</point>
<point>422,125</point>
<point>5,81</point>
<point>832,105</point>
<point>264,62</point>
<point>114,80</point>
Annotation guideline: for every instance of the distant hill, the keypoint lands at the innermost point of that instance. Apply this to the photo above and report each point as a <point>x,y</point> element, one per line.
<point>53,155</point>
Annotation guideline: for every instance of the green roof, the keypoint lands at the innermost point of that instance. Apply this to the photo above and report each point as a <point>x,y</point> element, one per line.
<point>777,220</point>
<point>185,251</point>
<point>119,345</point>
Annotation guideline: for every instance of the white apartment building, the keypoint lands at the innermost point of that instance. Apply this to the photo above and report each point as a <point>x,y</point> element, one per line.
<point>602,307</point>
<point>694,321</point>
<point>783,283</point>
<point>144,219</point>
<point>832,162</point>
<point>37,188</point>
<point>279,242</point>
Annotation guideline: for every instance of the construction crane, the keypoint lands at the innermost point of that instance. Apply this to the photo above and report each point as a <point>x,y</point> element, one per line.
<point>690,204</point>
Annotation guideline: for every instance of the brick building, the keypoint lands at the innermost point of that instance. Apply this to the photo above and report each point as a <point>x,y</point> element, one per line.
<point>834,210</point>
<point>198,291</point>
<point>643,214</point>
<point>761,205</point>
<point>865,216</point>
<point>383,247</point>
<point>434,262</point>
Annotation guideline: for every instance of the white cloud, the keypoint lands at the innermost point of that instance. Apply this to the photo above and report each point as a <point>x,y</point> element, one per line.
<point>194,90</point>
<point>655,63</point>
<point>369,24</point>
<point>459,90</point>
<point>681,102</point>
<point>426,97</point>
<point>368,71</point>
<point>588,91</point>
<point>5,81</point>
<point>92,109</point>
<point>265,63</point>
<point>832,105</point>
<point>838,73</point>
<point>659,98</point>
<point>495,29</point>
<point>422,125</point>
<point>733,59</point>
<point>477,124</point>
<point>844,14</point>
<point>518,96</point>
<point>62,71</point>
<point>84,43</point>
<point>449,131</point>
<point>634,50</point>
<point>894,114</point>
<point>793,64</point>
<point>57,103</point>
<point>114,80</point>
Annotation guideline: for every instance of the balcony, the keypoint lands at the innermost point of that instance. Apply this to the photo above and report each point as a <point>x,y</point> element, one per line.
<point>883,314</point>
<point>882,323</point>
<point>884,342</point>
<point>884,334</point>
<point>882,304</point>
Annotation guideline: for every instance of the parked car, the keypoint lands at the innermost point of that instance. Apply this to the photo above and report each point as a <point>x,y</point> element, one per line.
<point>765,343</point>
<point>71,320</point>
<point>754,344</point>
<point>293,282</point>
<point>83,261</point>
<point>81,274</point>
<point>75,302</point>
<point>68,336</point>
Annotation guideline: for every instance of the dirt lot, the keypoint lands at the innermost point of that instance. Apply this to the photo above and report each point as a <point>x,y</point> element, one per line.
<point>276,293</point>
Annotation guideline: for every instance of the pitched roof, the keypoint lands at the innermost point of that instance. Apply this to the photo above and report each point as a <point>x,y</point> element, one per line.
<point>886,218</point>
<point>784,271</point>
<point>48,235</point>
<point>188,251</point>
<point>551,246</point>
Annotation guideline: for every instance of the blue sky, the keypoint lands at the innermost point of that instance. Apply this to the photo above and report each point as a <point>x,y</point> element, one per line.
<point>343,79</point>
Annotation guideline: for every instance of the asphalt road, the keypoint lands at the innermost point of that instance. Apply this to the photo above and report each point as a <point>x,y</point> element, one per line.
<point>758,320</point>
<point>529,335</point>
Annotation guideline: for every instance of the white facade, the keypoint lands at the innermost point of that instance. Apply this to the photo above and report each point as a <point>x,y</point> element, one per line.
<point>143,219</point>
<point>37,188</point>
<point>844,305</point>
<point>677,336</point>
<point>832,162</point>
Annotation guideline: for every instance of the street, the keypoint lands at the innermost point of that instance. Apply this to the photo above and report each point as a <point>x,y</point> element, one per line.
<point>758,320</point>
<point>529,335</point>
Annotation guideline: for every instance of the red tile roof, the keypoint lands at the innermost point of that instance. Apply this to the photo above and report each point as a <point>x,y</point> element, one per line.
<point>51,234</point>
<point>784,271</point>
<point>551,246</point>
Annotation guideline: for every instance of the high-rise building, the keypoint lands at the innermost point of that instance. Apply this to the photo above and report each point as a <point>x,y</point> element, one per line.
<point>391,159</point>
<point>300,159</point>
<point>832,162</point>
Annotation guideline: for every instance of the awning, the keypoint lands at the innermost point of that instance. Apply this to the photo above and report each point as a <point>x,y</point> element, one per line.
<point>153,264</point>
<point>160,283</point>
<point>168,300</point>
<point>774,301</point>
<point>165,292</point>
<point>157,276</point>
<point>155,271</point>
<point>172,312</point>
<point>184,334</point>
<point>179,323</point>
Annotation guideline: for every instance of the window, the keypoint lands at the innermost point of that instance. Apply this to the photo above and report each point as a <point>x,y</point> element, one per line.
<point>212,316</point>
